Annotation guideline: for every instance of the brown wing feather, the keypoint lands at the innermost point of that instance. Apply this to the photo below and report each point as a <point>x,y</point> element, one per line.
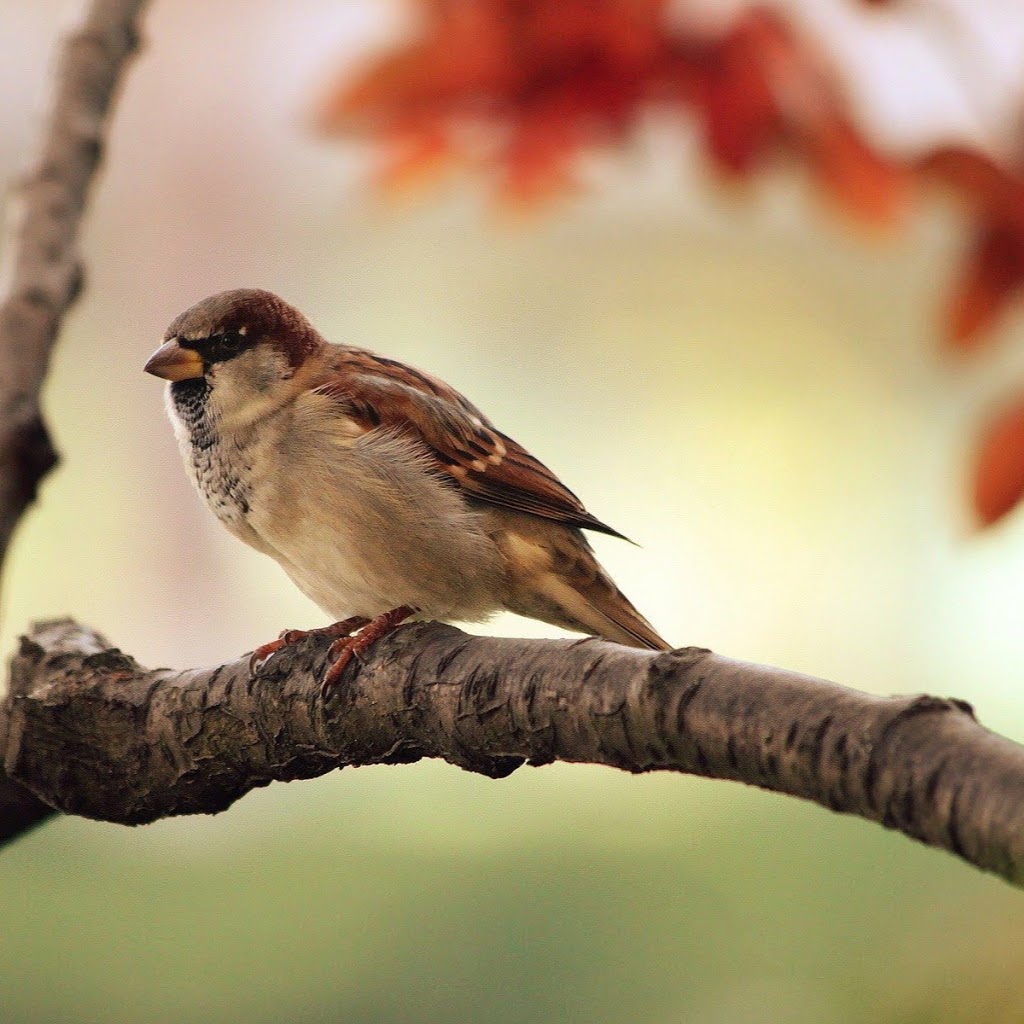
<point>467,448</point>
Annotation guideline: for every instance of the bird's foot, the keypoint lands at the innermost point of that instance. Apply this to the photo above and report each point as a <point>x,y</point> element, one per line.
<point>289,637</point>
<point>346,647</point>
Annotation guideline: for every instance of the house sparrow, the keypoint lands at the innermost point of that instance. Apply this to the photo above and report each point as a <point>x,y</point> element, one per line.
<point>381,491</point>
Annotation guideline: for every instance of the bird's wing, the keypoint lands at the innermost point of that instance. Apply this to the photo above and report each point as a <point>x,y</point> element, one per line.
<point>380,393</point>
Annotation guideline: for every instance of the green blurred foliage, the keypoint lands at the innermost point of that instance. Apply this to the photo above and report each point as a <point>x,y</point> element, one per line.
<point>424,894</point>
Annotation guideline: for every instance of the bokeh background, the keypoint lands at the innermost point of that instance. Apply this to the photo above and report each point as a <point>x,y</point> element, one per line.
<point>742,384</point>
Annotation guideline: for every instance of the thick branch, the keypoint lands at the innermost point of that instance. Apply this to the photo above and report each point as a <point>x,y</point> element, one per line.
<point>92,733</point>
<point>42,273</point>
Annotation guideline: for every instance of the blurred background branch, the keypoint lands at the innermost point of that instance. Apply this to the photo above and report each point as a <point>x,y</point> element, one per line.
<point>98,735</point>
<point>42,276</point>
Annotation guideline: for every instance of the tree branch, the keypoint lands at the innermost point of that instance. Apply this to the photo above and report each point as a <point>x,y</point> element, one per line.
<point>42,273</point>
<point>93,733</point>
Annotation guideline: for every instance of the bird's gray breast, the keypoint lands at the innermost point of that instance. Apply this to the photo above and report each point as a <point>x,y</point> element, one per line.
<point>216,464</point>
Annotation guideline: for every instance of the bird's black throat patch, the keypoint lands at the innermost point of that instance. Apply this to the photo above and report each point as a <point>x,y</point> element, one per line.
<point>189,397</point>
<point>214,472</point>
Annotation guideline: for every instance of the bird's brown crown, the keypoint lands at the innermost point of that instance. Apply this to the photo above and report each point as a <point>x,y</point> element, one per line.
<point>223,325</point>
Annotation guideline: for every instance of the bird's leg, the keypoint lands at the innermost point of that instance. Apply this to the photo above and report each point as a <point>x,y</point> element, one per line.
<point>343,649</point>
<point>294,636</point>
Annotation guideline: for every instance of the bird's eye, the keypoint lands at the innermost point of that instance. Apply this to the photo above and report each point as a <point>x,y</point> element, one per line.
<point>229,342</point>
<point>219,347</point>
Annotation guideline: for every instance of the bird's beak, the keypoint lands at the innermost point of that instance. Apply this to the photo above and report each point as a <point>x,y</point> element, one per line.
<point>172,362</point>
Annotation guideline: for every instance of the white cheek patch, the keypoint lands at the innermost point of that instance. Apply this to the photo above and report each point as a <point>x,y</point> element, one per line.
<point>248,387</point>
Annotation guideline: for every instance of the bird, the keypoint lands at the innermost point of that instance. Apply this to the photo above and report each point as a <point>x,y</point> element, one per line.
<point>381,491</point>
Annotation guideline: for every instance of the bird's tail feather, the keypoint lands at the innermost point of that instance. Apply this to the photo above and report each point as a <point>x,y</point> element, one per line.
<point>634,629</point>
<point>557,579</point>
<point>609,613</point>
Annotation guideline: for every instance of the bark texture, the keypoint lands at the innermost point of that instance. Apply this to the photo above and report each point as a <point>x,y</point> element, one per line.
<point>91,732</point>
<point>42,272</point>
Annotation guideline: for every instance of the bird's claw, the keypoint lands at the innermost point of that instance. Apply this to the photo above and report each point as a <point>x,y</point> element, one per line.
<point>339,654</point>
<point>345,648</point>
<point>259,658</point>
<point>289,637</point>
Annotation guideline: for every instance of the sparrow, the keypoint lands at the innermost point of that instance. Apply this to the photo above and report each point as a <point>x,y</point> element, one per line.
<point>382,492</point>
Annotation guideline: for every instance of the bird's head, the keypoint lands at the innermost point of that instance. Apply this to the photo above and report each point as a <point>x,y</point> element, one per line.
<point>236,349</point>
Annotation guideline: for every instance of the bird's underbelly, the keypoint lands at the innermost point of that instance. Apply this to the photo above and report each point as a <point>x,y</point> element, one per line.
<point>359,541</point>
<point>349,570</point>
<point>344,583</point>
